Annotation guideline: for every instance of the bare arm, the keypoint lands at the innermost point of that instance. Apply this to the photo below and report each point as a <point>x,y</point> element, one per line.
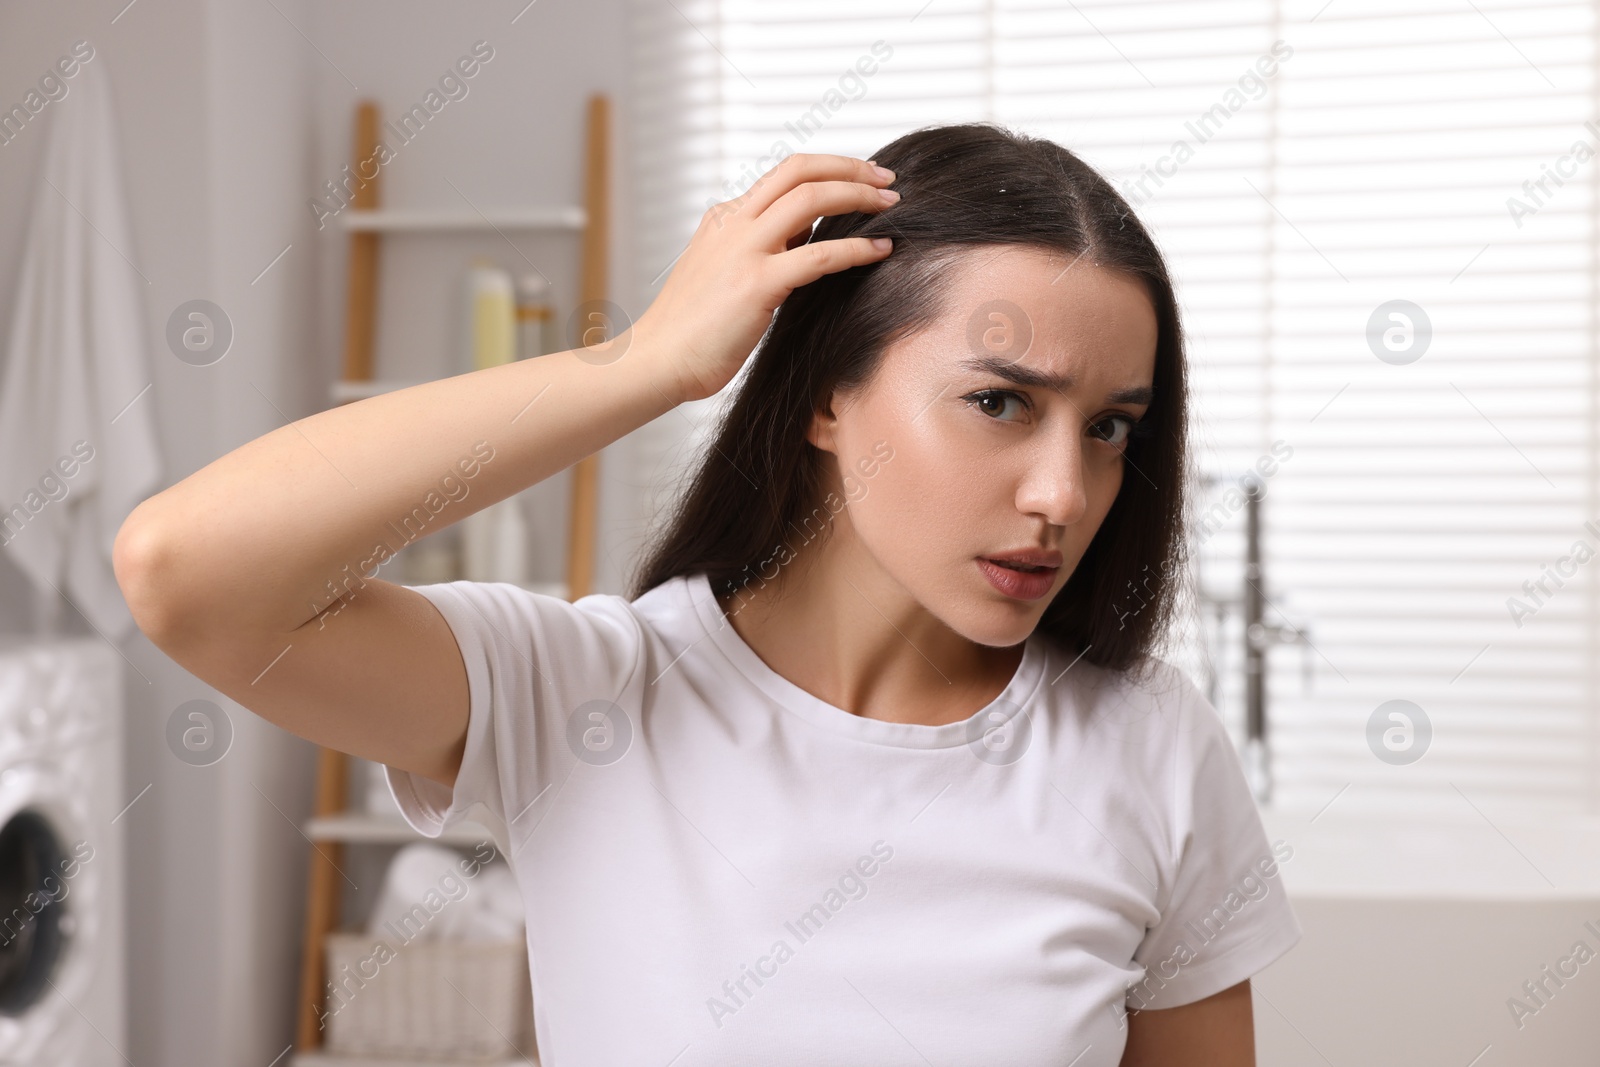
<point>1218,1031</point>
<point>248,572</point>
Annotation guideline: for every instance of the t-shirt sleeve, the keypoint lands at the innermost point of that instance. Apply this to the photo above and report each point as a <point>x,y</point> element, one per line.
<point>1227,915</point>
<point>533,661</point>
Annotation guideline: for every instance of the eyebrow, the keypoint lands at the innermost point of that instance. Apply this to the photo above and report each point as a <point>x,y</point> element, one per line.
<point>1020,375</point>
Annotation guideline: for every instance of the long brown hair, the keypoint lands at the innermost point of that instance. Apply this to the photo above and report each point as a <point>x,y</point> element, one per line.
<point>961,185</point>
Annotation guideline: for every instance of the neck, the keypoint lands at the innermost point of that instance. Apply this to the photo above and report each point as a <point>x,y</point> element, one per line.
<point>840,627</point>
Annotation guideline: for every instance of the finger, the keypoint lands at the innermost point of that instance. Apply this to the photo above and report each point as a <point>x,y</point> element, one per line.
<point>805,167</point>
<point>806,264</point>
<point>799,208</point>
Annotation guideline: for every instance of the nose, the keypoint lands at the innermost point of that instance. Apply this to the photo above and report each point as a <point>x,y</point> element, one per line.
<point>1053,481</point>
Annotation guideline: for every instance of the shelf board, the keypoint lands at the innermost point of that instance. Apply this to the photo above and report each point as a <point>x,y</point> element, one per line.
<point>328,1059</point>
<point>360,827</point>
<point>417,220</point>
<point>342,392</point>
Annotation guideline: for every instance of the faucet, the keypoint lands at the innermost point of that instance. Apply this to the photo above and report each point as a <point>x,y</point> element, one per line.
<point>1259,637</point>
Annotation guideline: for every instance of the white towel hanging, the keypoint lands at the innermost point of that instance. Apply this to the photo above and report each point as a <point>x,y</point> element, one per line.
<point>76,366</point>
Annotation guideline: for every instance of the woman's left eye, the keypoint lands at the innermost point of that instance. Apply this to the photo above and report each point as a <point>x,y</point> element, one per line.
<point>1114,429</point>
<point>993,402</point>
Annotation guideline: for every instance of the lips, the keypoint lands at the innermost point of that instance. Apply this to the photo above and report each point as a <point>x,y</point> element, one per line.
<point>1025,568</point>
<point>1025,574</point>
<point>1027,559</point>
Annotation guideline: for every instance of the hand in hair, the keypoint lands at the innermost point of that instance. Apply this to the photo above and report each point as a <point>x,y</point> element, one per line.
<point>747,255</point>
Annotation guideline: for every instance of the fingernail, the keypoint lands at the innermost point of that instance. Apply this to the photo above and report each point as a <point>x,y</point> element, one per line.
<point>881,243</point>
<point>889,195</point>
<point>884,172</point>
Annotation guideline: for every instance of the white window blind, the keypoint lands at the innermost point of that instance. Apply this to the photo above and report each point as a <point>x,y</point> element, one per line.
<point>1380,160</point>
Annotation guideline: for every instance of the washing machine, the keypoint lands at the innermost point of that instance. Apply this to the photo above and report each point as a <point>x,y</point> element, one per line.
<point>62,986</point>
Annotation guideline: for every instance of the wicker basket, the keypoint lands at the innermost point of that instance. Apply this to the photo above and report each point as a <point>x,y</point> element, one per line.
<point>384,1001</point>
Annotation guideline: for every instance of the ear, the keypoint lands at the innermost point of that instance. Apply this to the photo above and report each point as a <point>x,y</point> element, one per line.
<point>823,422</point>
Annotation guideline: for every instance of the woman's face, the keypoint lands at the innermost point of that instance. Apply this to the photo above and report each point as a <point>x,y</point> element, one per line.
<point>998,429</point>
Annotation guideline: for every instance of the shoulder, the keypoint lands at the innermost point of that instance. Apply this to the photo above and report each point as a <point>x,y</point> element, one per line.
<point>492,605</point>
<point>1154,693</point>
<point>598,634</point>
<point>1184,744</point>
<point>492,609</point>
<point>1151,722</point>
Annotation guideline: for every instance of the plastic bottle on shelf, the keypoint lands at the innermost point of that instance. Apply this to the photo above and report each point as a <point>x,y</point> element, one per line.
<point>431,560</point>
<point>494,541</point>
<point>511,542</point>
<point>491,315</point>
<point>536,319</point>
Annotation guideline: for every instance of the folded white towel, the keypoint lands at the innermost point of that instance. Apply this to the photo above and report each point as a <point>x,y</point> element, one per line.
<point>76,367</point>
<point>426,896</point>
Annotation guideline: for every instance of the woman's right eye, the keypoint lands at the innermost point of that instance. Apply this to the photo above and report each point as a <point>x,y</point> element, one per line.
<point>992,402</point>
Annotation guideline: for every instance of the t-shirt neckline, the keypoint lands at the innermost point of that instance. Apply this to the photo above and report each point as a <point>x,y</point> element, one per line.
<point>1017,694</point>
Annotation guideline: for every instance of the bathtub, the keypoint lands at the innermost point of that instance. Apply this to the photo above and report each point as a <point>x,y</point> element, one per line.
<point>1420,934</point>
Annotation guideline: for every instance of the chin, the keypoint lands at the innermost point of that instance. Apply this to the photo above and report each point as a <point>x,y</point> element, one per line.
<point>979,612</point>
<point>997,625</point>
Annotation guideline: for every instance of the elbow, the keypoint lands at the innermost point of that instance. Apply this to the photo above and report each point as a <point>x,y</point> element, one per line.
<point>140,557</point>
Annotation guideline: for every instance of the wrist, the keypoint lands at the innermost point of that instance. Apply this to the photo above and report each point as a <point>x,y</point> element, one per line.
<point>658,361</point>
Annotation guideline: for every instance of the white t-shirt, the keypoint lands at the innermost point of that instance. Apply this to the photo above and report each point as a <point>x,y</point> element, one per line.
<point>719,868</point>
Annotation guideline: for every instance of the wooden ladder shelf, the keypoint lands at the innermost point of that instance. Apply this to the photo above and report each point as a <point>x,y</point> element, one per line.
<point>366,224</point>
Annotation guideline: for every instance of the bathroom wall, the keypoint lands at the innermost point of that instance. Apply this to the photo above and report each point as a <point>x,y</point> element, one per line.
<point>513,137</point>
<point>232,115</point>
<point>159,60</point>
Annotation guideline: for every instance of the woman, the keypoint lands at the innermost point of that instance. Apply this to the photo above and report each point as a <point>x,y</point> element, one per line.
<point>876,766</point>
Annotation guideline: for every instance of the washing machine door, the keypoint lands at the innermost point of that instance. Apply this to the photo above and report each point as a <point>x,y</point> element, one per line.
<point>34,913</point>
